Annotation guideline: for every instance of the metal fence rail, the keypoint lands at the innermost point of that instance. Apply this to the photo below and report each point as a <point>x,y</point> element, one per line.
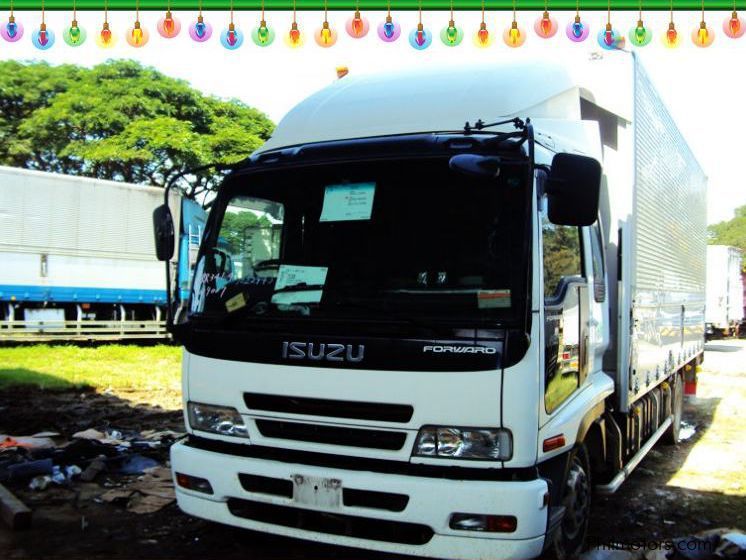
<point>44,331</point>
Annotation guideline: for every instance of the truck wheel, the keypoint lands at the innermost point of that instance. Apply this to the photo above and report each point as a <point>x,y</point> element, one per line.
<point>671,436</point>
<point>576,499</point>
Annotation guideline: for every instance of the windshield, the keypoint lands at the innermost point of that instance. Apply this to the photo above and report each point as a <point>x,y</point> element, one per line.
<point>410,240</point>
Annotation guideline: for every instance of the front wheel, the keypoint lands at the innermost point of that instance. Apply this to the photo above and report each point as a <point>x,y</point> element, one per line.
<point>576,499</point>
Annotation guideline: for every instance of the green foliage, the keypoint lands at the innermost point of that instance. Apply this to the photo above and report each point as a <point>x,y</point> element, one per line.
<point>732,232</point>
<point>120,121</point>
<point>561,255</point>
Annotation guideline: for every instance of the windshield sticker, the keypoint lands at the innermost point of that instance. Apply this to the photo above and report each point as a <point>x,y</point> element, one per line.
<point>294,276</point>
<point>236,302</point>
<point>305,296</point>
<point>493,299</point>
<point>349,202</point>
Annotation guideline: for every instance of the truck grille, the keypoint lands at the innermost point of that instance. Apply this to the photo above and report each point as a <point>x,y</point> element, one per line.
<point>332,523</point>
<point>382,412</point>
<point>351,437</point>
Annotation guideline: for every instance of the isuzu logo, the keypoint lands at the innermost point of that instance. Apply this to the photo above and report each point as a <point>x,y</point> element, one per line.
<point>447,349</point>
<point>323,351</point>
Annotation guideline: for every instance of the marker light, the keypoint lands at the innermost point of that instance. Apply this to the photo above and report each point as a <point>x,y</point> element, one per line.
<point>262,35</point>
<point>734,26</point>
<point>12,31</point>
<point>231,37</point>
<point>483,523</point>
<point>200,30</point>
<point>451,35</point>
<point>43,38</point>
<point>389,30</point>
<point>169,26</point>
<point>357,26</point>
<point>610,39</point>
<point>703,36</point>
<point>546,26</point>
<point>483,39</point>
<point>420,38</point>
<point>74,35</point>
<point>325,36</point>
<point>577,31</point>
<point>640,35</point>
<point>671,37</point>
<point>294,37</point>
<point>514,35</point>
<point>137,36</point>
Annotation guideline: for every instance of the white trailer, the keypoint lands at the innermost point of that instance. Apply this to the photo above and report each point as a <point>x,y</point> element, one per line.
<point>724,311</point>
<point>78,252</point>
<point>462,329</point>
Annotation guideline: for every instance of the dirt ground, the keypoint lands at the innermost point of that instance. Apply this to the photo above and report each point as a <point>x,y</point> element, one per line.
<point>676,491</point>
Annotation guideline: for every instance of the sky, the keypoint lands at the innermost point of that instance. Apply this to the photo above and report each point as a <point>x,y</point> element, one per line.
<point>704,89</point>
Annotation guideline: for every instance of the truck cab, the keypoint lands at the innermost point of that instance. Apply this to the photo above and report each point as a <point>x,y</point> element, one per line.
<point>397,330</point>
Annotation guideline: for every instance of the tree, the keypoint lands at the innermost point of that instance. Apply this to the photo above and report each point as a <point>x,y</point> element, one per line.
<point>121,121</point>
<point>732,232</point>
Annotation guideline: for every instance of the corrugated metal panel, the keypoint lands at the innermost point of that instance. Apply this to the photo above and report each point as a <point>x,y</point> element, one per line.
<point>668,245</point>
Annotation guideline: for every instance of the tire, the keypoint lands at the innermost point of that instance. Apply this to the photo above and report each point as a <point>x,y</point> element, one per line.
<point>576,498</point>
<point>671,435</point>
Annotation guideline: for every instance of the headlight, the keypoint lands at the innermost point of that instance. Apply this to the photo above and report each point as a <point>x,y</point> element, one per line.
<point>464,443</point>
<point>217,419</point>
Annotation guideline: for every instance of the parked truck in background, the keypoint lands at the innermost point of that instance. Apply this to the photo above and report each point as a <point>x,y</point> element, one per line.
<point>449,334</point>
<point>725,302</point>
<point>77,257</point>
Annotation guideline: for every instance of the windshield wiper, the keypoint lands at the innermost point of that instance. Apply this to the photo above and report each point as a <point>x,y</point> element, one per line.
<point>380,310</point>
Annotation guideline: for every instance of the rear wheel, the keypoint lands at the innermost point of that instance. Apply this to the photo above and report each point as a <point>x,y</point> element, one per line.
<point>576,499</point>
<point>671,436</point>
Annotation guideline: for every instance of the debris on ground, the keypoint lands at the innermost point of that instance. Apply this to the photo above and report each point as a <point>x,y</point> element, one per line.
<point>128,465</point>
<point>13,511</point>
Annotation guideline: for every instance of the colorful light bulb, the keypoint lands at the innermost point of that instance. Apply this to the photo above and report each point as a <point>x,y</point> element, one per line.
<point>610,39</point>
<point>703,36</point>
<point>357,26</point>
<point>671,36</point>
<point>546,26</point>
<point>231,37</point>
<point>514,36</point>
<point>263,35</point>
<point>577,31</point>
<point>168,26</point>
<point>137,36</point>
<point>12,31</point>
<point>294,38</point>
<point>105,38</point>
<point>74,35</point>
<point>325,36</point>
<point>734,26</point>
<point>43,38</point>
<point>420,38</point>
<point>200,30</point>
<point>451,35</point>
<point>640,35</point>
<point>389,30</point>
<point>483,39</point>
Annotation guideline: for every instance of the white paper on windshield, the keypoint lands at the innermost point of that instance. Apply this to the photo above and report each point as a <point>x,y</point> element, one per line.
<point>289,298</point>
<point>295,275</point>
<point>349,202</point>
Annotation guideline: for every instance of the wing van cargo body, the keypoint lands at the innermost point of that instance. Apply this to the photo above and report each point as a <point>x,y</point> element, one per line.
<point>725,311</point>
<point>78,252</point>
<point>437,327</point>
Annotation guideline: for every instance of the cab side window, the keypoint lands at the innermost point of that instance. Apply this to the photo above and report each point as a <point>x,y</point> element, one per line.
<point>562,255</point>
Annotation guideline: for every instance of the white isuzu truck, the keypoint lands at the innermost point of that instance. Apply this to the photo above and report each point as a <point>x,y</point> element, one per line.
<point>438,309</point>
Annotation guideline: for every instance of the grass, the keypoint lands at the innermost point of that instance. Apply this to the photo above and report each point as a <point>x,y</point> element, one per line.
<point>142,368</point>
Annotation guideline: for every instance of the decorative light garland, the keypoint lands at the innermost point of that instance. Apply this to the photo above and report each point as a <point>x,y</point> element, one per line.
<point>577,31</point>
<point>168,26</point>
<point>262,34</point>
<point>137,36</point>
<point>11,31</point>
<point>74,35</point>
<point>734,26</point>
<point>546,26</point>
<point>231,37</point>
<point>671,37</point>
<point>609,38</point>
<point>325,35</point>
<point>514,36</point>
<point>640,35</point>
<point>388,29</point>
<point>43,38</point>
<point>357,26</point>
<point>200,31</point>
<point>420,37</point>
<point>482,38</point>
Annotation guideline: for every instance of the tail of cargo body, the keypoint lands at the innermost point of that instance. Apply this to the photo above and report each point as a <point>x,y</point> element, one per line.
<point>725,311</point>
<point>78,258</point>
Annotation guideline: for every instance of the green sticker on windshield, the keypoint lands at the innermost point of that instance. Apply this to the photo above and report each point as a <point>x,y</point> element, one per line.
<point>353,201</point>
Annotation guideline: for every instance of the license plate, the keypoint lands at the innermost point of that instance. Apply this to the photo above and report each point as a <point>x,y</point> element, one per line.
<point>317,491</point>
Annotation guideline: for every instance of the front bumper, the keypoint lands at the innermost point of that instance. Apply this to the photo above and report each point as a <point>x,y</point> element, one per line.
<point>431,502</point>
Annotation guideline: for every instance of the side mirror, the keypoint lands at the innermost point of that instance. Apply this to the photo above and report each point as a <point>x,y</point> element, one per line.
<point>163,228</point>
<point>573,188</point>
<point>476,165</point>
